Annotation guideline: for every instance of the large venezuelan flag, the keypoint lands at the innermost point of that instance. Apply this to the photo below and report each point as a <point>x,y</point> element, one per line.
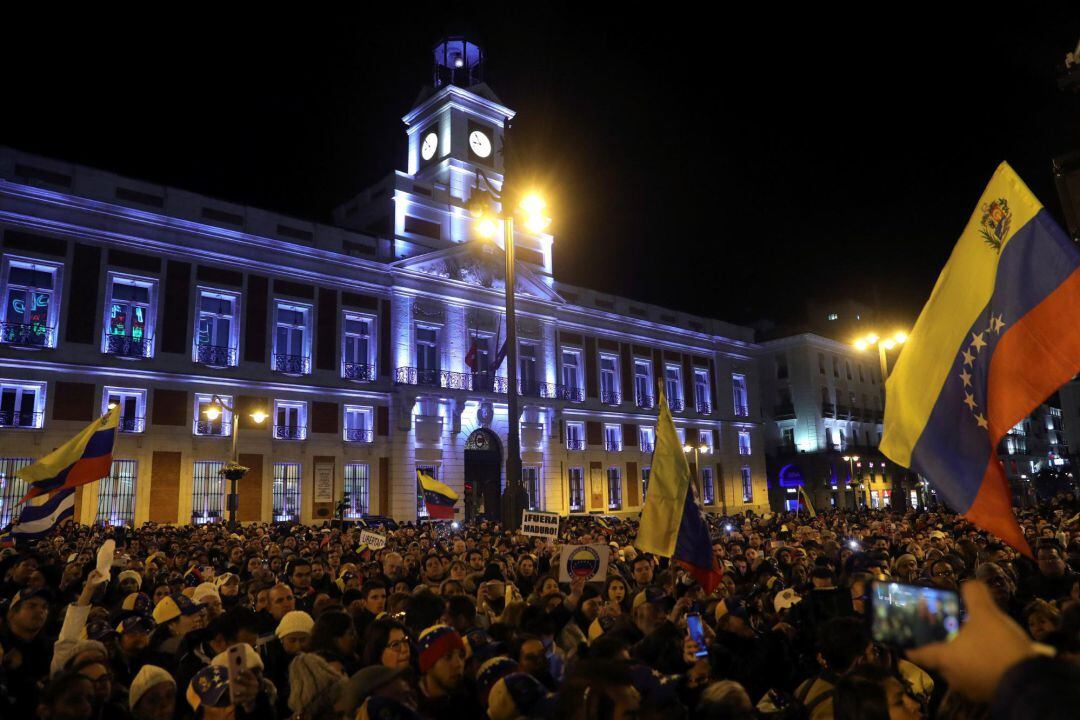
<point>1000,333</point>
<point>672,522</point>
<point>83,459</point>
<point>438,498</point>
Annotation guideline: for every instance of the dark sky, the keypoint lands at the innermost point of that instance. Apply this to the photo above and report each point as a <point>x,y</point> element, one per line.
<point>729,166</point>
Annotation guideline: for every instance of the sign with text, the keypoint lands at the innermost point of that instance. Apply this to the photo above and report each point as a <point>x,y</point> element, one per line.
<point>540,524</point>
<point>324,483</point>
<point>583,561</point>
<point>373,540</point>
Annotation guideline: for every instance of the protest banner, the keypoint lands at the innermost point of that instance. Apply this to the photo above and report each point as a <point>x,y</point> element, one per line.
<point>373,540</point>
<point>540,524</point>
<point>583,561</point>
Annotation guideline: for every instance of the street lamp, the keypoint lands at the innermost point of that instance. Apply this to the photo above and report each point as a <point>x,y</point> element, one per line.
<point>213,412</point>
<point>851,460</point>
<point>483,209</point>
<point>884,345</point>
<point>697,449</point>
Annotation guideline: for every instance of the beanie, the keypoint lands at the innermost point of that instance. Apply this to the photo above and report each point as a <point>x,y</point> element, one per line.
<point>295,621</point>
<point>130,574</point>
<point>519,695</point>
<point>435,642</point>
<point>204,591</point>
<point>147,677</point>
<point>313,683</point>
<point>490,673</point>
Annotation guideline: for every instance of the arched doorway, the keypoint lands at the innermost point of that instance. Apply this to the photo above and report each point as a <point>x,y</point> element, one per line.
<point>483,475</point>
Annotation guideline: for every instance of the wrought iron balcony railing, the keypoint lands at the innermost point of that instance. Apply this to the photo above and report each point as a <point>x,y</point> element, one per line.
<point>19,419</point>
<point>126,346</point>
<point>644,402</point>
<point>290,432</point>
<point>613,445</point>
<point>647,447</point>
<point>676,404</point>
<point>215,355</point>
<point>359,435</point>
<point>358,372</point>
<point>742,410</point>
<point>610,397</point>
<point>131,424</point>
<point>828,409</point>
<point>292,364</point>
<point>563,392</point>
<point>784,412</point>
<point>26,335</point>
<point>703,407</point>
<point>575,444</point>
<point>213,428</point>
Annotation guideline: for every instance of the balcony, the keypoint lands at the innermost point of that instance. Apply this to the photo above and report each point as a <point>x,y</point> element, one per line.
<point>676,404</point>
<point>575,444</point>
<point>645,402</point>
<point>613,445</point>
<point>742,410</point>
<point>26,335</point>
<point>485,382</point>
<point>828,410</point>
<point>359,435</point>
<point>20,419</point>
<point>358,372</point>
<point>290,432</point>
<point>647,447</point>
<point>843,412</point>
<point>126,346</point>
<point>131,424</point>
<point>215,356</point>
<point>784,411</point>
<point>292,364</point>
<point>703,407</point>
<point>610,397</point>
<point>563,392</point>
<point>213,428</point>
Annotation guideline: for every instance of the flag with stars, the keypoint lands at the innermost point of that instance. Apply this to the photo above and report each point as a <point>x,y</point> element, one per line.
<point>999,334</point>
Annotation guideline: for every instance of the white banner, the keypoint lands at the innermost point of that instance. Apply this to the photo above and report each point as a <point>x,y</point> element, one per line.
<point>540,524</point>
<point>324,483</point>
<point>583,561</point>
<point>373,540</point>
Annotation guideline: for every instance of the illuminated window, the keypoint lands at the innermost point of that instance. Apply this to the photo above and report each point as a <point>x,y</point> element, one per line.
<point>427,356</point>
<point>292,339</point>
<point>614,479</point>
<point>527,370</point>
<point>218,426</point>
<point>673,386</point>
<point>31,292</point>
<point>702,399</point>
<point>217,328</point>
<point>575,436</point>
<point>739,394</point>
<point>358,424</point>
<point>22,404</point>
<point>708,487</point>
<point>744,442</point>
<point>116,495</point>
<point>530,478</point>
<point>609,380</point>
<point>207,492</point>
<point>286,492</point>
<point>12,489</point>
<point>747,485</point>
<point>576,486</point>
<point>571,374</point>
<point>357,348</point>
<point>130,313</point>
<point>132,404</point>
<point>357,490</point>
<point>290,420</point>
<point>647,438</point>
<point>613,438</point>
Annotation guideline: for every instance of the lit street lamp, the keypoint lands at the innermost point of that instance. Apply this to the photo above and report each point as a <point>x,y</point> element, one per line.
<point>213,412</point>
<point>851,460</point>
<point>697,449</point>
<point>482,207</point>
<point>884,345</point>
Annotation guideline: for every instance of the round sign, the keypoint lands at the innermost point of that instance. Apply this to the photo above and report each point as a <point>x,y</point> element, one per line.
<point>583,562</point>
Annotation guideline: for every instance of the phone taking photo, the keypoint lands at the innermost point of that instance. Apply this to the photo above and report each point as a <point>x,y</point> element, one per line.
<point>909,616</point>
<point>236,666</point>
<point>693,627</point>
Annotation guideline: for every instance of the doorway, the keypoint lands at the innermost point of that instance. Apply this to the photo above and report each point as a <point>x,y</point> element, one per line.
<point>483,476</point>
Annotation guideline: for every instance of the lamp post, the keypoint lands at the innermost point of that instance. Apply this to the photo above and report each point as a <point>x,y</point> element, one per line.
<point>697,449</point>
<point>213,412</point>
<point>884,345</point>
<point>483,210</point>
<point>851,460</point>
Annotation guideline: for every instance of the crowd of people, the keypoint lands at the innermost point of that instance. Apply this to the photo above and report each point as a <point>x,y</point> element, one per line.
<point>470,621</point>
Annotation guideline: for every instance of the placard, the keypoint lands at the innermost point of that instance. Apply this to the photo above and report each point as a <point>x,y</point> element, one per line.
<point>583,561</point>
<point>373,540</point>
<point>540,524</point>
<point>323,491</point>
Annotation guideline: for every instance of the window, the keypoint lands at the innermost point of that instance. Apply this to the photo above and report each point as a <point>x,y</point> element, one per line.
<point>217,328</point>
<point>681,433</point>
<point>292,339</point>
<point>645,473</point>
<point>207,492</point>
<point>847,364</point>
<point>643,383</point>
<point>705,438</point>
<point>22,404</point>
<point>31,303</point>
<point>575,436</point>
<point>821,363</point>
<point>132,404</point>
<point>702,401</point>
<point>673,386</point>
<point>647,438</point>
<point>609,380</point>
<point>530,478</point>
<point>835,367</point>
<point>738,391</point>
<point>571,374</point>
<point>290,420</point>
<point>116,495</point>
<point>427,356</point>
<point>576,485</point>
<point>12,489</point>
<point>358,424</point>
<point>708,487</point>
<point>781,367</point>
<point>431,471</point>
<point>747,485</point>
<point>129,317</point>
<point>527,370</point>
<point>829,439</point>
<point>220,425</point>
<point>357,349</point>
<point>843,438</point>
<point>613,438</point>
<point>357,490</point>
<point>862,373</point>
<point>614,488</point>
<point>286,492</point>
<point>875,500</point>
<point>788,438</point>
<point>744,442</point>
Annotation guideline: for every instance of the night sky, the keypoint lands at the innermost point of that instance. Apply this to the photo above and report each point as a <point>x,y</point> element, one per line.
<point>722,165</point>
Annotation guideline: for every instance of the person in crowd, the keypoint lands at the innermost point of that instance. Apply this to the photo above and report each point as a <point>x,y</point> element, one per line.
<point>441,660</point>
<point>387,643</point>
<point>153,694</point>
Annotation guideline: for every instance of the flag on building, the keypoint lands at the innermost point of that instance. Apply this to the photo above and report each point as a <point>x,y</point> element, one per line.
<point>83,459</point>
<point>806,501</point>
<point>499,357</point>
<point>36,521</point>
<point>999,334</point>
<point>672,522</point>
<point>438,498</point>
<point>470,357</point>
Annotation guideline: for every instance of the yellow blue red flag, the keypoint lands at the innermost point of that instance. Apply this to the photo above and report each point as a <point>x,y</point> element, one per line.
<point>999,334</point>
<point>438,498</point>
<point>83,459</point>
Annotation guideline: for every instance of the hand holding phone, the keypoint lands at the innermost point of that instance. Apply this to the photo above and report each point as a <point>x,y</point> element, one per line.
<point>696,633</point>
<point>236,660</point>
<point>910,616</point>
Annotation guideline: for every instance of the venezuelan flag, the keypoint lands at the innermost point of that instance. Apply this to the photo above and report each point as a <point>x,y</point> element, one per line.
<point>999,334</point>
<point>438,498</point>
<point>83,459</point>
<point>672,522</point>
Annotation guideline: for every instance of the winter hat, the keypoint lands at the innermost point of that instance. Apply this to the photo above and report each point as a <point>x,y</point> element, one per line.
<point>490,672</point>
<point>132,575</point>
<point>519,695</point>
<point>147,677</point>
<point>252,661</point>
<point>295,621</point>
<point>435,643</point>
<point>204,591</point>
<point>82,646</point>
<point>313,684</point>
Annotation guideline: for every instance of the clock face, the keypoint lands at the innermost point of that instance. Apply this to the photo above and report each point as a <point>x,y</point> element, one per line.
<point>480,143</point>
<point>429,145</point>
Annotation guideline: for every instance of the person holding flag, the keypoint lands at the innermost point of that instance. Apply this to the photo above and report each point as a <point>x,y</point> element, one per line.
<point>85,458</point>
<point>438,498</point>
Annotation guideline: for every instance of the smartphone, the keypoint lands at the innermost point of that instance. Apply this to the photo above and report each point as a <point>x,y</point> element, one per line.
<point>693,627</point>
<point>908,616</point>
<point>236,666</point>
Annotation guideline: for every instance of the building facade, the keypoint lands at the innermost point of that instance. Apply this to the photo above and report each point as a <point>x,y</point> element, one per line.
<point>370,344</point>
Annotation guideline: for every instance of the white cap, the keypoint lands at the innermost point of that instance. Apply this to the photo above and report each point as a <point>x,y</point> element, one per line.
<point>295,621</point>
<point>204,591</point>
<point>252,661</point>
<point>147,677</point>
<point>130,574</point>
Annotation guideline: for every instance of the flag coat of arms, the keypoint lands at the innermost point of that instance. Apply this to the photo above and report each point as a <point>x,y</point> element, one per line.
<point>999,334</point>
<point>438,498</point>
<point>83,459</point>
<point>36,521</point>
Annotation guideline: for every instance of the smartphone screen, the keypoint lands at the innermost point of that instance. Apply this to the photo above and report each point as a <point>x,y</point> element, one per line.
<point>693,626</point>
<point>236,666</point>
<point>910,616</point>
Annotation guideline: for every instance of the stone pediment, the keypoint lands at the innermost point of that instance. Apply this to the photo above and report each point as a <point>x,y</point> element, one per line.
<point>481,264</point>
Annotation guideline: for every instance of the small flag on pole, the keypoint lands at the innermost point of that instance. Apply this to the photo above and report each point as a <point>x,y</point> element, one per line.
<point>83,459</point>
<point>438,498</point>
<point>806,501</point>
